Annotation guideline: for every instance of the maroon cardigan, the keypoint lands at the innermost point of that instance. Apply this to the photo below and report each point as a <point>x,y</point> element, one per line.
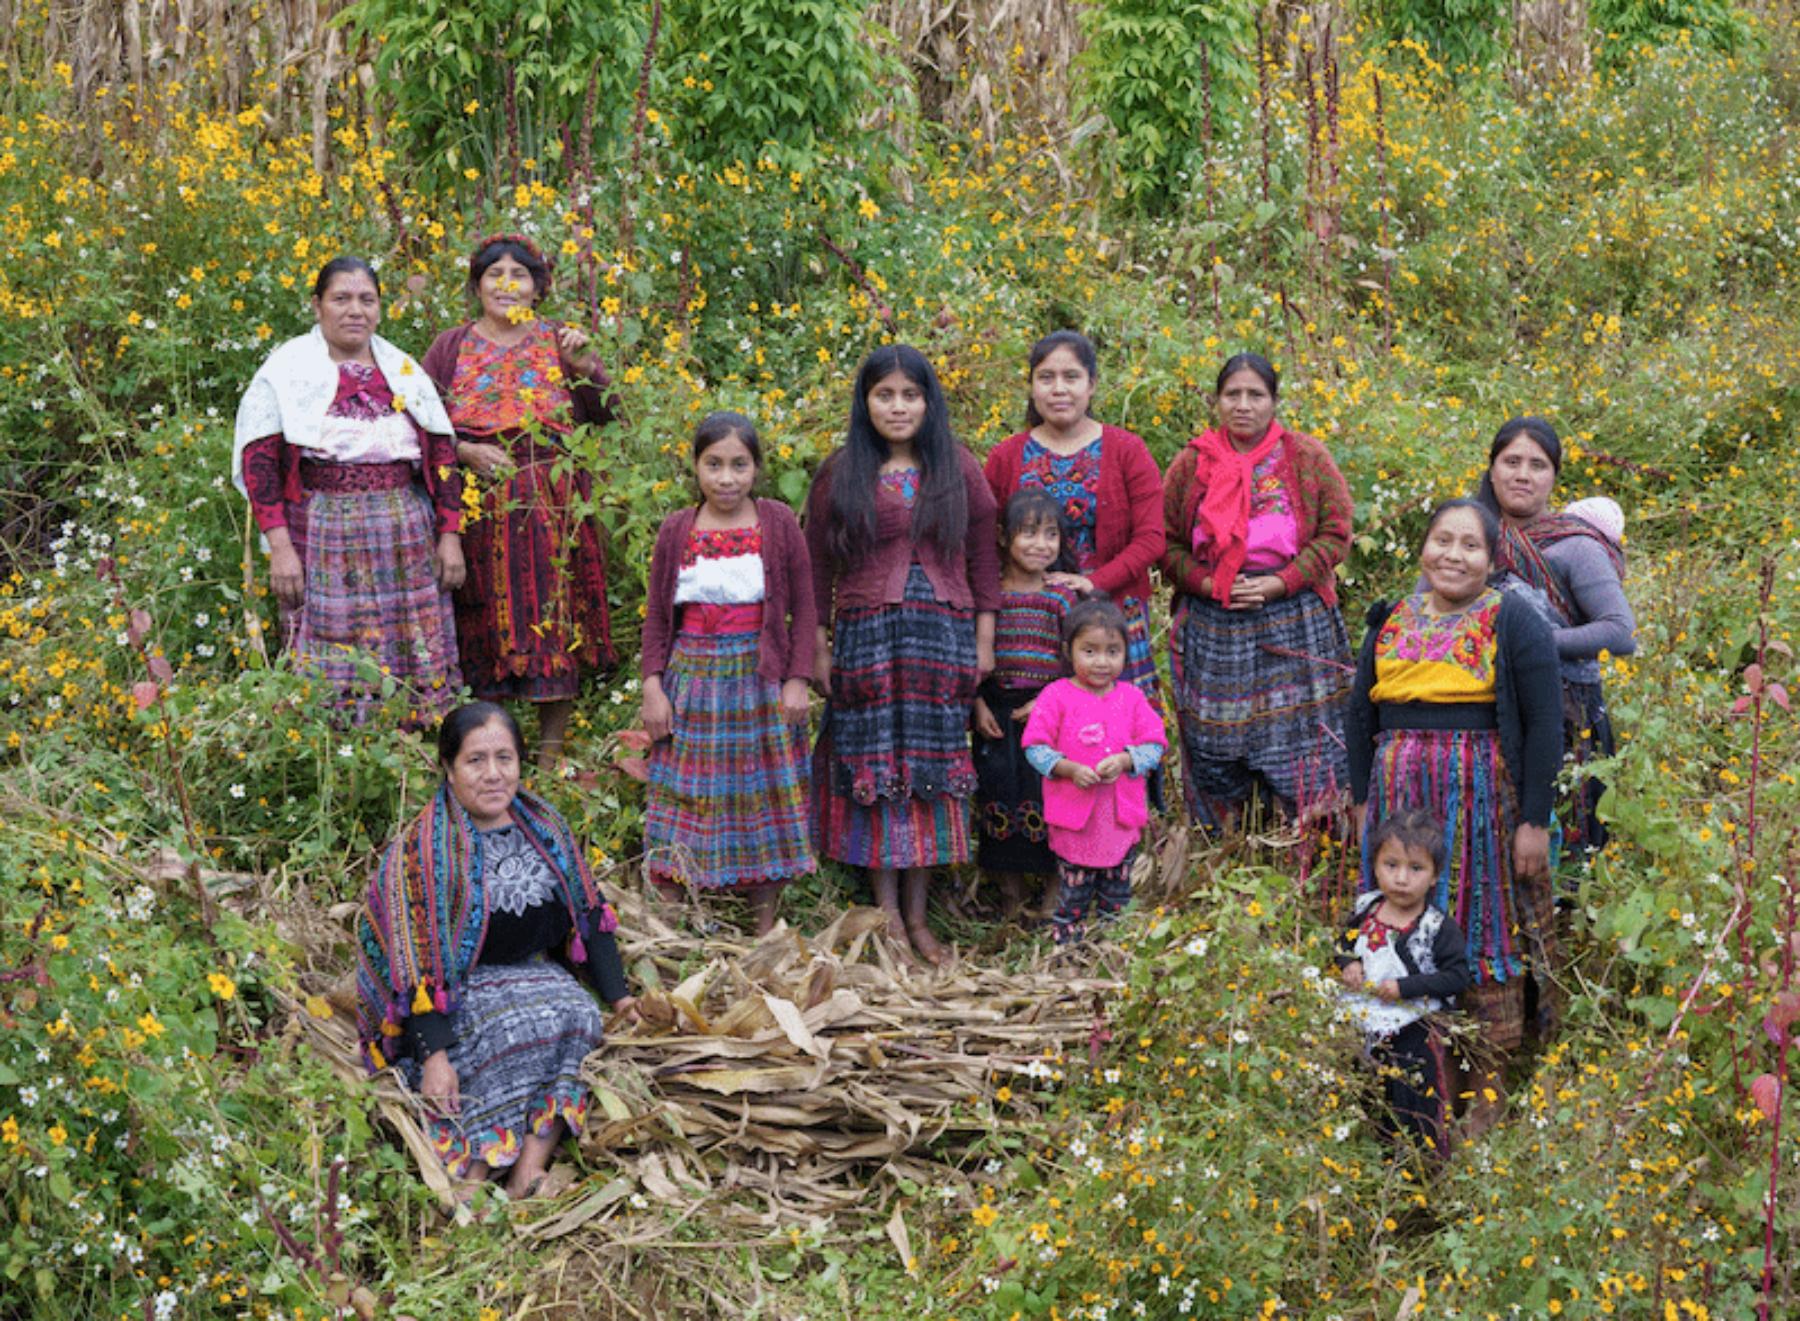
<point>592,403</point>
<point>785,650</point>
<point>967,578</point>
<point>1128,521</point>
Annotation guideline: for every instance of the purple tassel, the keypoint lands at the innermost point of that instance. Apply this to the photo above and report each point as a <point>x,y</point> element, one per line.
<point>578,949</point>
<point>442,1001</point>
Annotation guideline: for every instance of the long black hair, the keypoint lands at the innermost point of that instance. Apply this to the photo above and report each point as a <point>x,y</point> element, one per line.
<point>1072,340</point>
<point>1027,509</point>
<point>941,512</point>
<point>1534,429</point>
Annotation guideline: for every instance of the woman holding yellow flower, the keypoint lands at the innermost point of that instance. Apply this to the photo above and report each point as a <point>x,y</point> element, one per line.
<point>532,614</point>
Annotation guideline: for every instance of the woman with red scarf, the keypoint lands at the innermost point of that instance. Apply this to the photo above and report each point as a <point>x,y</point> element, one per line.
<point>1257,519</point>
<point>1574,573</point>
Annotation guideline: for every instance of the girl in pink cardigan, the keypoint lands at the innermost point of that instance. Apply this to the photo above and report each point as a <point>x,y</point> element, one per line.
<point>1095,741</point>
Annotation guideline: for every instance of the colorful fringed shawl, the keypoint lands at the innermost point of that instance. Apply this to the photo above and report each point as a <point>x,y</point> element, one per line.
<point>426,915</point>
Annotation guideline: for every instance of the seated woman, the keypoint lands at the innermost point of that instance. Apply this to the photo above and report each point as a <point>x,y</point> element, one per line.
<point>477,915</point>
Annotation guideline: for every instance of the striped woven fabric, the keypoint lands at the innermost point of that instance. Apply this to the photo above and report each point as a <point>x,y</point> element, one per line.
<point>370,594</point>
<point>1261,693</point>
<point>897,730</point>
<point>727,803</point>
<point>521,1035</point>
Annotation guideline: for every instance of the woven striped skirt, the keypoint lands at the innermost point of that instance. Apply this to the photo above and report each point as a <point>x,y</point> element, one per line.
<point>1009,794</point>
<point>532,615</point>
<point>371,597</point>
<point>892,772</point>
<point>522,1032</point>
<point>1140,658</point>
<point>727,802</point>
<point>1460,776</point>
<point>1260,694</point>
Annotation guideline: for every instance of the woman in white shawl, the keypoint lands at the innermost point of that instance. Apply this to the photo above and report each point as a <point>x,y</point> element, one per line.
<point>349,463</point>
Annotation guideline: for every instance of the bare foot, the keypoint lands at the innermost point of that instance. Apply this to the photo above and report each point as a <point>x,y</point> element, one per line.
<point>762,904</point>
<point>927,945</point>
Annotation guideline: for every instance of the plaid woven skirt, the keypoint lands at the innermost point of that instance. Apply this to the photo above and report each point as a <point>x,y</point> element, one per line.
<point>1460,777</point>
<point>533,614</point>
<point>522,1031</point>
<point>1260,693</point>
<point>370,594</point>
<point>892,772</point>
<point>727,801</point>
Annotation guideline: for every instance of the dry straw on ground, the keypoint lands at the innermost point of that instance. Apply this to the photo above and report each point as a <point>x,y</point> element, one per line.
<point>786,1080</point>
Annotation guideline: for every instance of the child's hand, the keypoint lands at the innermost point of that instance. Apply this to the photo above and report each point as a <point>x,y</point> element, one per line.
<point>985,724</point>
<point>1083,776</point>
<point>1023,713</point>
<point>794,701</point>
<point>1388,990</point>
<point>1111,768</point>
<point>659,716</point>
<point>1351,973</point>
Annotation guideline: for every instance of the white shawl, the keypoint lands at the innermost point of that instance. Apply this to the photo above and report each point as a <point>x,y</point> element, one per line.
<point>293,389</point>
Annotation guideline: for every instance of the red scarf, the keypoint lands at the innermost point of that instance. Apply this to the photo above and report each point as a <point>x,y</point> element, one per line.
<point>1225,478</point>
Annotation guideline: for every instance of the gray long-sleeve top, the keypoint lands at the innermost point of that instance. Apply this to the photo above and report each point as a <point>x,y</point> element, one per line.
<point>1604,620</point>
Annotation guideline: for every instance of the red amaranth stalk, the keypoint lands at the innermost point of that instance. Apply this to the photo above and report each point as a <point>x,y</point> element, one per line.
<point>1753,703</point>
<point>1206,154</point>
<point>640,119</point>
<point>1790,921</point>
<point>511,100</point>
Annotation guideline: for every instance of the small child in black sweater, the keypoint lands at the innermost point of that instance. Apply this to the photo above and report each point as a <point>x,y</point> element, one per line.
<point>1401,960</point>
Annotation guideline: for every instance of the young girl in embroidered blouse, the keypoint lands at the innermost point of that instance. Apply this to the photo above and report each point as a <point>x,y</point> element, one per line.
<point>1402,959</point>
<point>727,652</point>
<point>1009,795</point>
<point>1095,741</point>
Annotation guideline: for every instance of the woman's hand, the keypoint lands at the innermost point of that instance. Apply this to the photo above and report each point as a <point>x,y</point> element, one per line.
<point>485,460</point>
<point>626,1011</point>
<point>658,715</point>
<point>794,701</point>
<point>1351,974</point>
<point>1531,851</point>
<point>438,1084</point>
<point>449,568</point>
<point>1023,713</point>
<point>822,664</point>
<point>573,340</point>
<point>1255,593</point>
<point>1111,768</point>
<point>1388,990</point>
<point>985,724</point>
<point>287,579</point>
<point>1075,582</point>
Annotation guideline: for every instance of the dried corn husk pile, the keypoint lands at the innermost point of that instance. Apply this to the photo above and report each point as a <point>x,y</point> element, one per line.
<point>773,1081</point>
<point>803,1068</point>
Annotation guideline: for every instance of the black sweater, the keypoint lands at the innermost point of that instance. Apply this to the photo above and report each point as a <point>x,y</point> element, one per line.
<point>1527,706</point>
<point>1433,951</point>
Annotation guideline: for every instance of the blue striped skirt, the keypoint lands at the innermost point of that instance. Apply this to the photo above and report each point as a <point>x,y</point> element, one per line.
<point>892,771</point>
<point>727,801</point>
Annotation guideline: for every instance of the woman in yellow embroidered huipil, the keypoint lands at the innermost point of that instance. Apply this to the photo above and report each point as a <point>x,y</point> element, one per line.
<point>1457,709</point>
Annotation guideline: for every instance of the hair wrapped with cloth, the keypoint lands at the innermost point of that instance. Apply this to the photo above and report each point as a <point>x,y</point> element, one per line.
<point>425,917</point>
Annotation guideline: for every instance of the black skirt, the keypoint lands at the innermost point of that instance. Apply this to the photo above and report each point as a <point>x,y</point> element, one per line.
<point>1009,794</point>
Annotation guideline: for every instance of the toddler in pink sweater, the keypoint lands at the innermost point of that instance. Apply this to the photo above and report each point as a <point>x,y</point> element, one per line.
<point>1095,741</point>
